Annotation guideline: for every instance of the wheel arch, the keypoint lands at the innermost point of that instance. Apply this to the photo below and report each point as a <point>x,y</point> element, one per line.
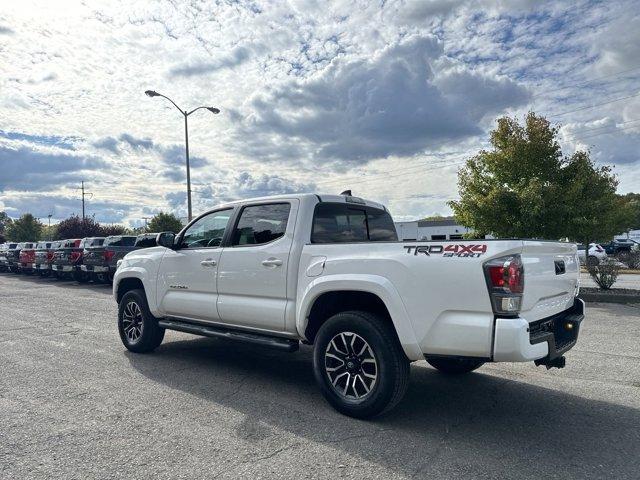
<point>327,296</point>
<point>126,285</point>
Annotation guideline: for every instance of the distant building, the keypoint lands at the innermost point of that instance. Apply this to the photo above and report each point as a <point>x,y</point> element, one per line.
<point>446,228</point>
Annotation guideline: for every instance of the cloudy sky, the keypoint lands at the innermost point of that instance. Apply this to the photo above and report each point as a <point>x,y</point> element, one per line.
<point>384,97</point>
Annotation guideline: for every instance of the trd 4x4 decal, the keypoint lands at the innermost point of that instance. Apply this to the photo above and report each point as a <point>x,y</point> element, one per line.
<point>472,250</point>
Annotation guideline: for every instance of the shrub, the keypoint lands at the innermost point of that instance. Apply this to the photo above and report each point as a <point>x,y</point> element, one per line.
<point>605,273</point>
<point>631,259</point>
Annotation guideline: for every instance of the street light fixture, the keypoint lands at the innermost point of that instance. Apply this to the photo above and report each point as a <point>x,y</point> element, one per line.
<point>185,114</point>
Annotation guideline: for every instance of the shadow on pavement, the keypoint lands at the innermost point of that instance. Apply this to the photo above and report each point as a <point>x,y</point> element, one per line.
<point>475,425</point>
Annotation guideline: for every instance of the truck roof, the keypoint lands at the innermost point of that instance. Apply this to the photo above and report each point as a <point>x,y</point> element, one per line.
<point>319,196</point>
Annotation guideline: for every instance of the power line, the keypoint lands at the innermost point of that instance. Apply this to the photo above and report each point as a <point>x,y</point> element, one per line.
<point>608,126</point>
<point>593,106</point>
<point>605,133</point>
<point>357,180</point>
<point>579,85</point>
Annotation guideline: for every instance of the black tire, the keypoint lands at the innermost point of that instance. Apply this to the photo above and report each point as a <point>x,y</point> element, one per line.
<point>80,276</point>
<point>454,366</point>
<point>389,362</point>
<point>150,334</point>
<point>44,273</point>
<point>593,261</point>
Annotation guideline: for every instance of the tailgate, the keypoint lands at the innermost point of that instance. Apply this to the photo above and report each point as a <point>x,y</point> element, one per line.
<point>551,278</point>
<point>94,256</point>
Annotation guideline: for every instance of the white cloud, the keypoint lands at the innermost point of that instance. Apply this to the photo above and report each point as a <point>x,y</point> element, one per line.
<point>326,92</point>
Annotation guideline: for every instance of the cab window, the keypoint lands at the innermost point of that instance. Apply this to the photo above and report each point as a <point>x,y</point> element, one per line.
<point>207,231</point>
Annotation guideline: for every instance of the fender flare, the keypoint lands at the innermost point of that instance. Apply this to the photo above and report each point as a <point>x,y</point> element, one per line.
<point>375,284</point>
<point>140,274</point>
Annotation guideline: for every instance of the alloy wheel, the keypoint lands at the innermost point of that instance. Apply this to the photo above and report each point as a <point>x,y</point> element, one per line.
<point>132,321</point>
<point>351,366</point>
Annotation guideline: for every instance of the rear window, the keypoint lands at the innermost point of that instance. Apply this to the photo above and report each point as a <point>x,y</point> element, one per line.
<point>146,241</point>
<point>342,222</point>
<point>120,241</point>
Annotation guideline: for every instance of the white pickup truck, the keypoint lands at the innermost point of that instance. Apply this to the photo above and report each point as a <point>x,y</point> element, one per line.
<point>328,270</point>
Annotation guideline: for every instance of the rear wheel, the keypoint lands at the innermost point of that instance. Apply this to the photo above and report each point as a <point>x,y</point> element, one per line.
<point>138,328</point>
<point>359,364</point>
<point>454,366</point>
<point>593,261</point>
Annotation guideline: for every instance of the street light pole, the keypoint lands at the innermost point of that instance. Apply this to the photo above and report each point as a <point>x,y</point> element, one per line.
<point>185,114</point>
<point>186,151</point>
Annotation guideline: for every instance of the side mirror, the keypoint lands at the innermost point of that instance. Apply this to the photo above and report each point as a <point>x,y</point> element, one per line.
<point>166,239</point>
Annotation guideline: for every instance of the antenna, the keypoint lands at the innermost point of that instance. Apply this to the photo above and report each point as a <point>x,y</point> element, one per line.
<point>346,192</point>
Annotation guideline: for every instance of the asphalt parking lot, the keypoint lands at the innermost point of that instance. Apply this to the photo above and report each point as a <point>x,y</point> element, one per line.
<point>75,404</point>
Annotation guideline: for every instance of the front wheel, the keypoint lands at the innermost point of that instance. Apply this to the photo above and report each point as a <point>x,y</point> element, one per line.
<point>359,364</point>
<point>454,366</point>
<point>138,328</point>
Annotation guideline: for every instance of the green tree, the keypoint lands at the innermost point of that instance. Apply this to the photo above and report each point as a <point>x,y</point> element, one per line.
<point>164,222</point>
<point>5,221</point>
<point>525,187</point>
<point>633,201</point>
<point>27,228</point>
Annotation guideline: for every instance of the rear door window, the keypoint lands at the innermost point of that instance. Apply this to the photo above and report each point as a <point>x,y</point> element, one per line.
<point>260,224</point>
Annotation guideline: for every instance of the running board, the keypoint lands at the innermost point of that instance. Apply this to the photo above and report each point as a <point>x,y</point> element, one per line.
<point>284,344</point>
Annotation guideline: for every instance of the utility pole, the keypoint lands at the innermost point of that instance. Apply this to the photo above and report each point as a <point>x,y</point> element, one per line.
<point>145,222</point>
<point>84,194</point>
<point>49,229</point>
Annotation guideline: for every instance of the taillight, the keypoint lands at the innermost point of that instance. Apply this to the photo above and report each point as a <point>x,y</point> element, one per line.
<point>50,256</point>
<point>599,249</point>
<point>505,280</point>
<point>75,257</point>
<point>108,255</point>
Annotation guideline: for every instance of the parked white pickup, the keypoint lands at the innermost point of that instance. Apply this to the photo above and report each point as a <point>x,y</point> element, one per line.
<point>328,270</point>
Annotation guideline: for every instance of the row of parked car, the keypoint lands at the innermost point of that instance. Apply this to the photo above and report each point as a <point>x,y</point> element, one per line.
<point>82,259</point>
<point>598,252</point>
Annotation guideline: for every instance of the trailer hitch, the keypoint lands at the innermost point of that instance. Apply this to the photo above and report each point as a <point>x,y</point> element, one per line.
<point>558,362</point>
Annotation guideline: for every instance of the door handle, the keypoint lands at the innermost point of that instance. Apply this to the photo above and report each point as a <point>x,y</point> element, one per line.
<point>272,262</point>
<point>209,262</point>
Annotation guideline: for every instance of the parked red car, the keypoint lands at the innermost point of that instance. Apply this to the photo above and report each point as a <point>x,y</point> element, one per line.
<point>44,257</point>
<point>27,258</point>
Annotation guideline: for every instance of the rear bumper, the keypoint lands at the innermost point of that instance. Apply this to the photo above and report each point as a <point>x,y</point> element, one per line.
<point>517,340</point>
<point>94,268</point>
<point>64,268</point>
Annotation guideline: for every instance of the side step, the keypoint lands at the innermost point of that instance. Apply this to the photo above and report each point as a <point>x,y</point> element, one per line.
<point>279,343</point>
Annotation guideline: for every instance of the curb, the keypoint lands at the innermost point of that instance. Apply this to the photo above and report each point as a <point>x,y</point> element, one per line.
<point>617,295</point>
